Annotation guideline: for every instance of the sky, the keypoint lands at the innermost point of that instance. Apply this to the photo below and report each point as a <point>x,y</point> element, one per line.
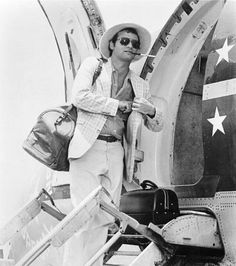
<point>143,12</point>
<point>30,70</point>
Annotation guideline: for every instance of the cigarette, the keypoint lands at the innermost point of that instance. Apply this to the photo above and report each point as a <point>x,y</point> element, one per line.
<point>148,55</point>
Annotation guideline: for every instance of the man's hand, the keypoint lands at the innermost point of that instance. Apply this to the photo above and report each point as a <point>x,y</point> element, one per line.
<point>125,106</point>
<point>143,106</point>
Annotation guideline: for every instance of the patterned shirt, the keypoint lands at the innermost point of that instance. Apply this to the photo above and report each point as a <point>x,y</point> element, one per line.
<point>115,126</point>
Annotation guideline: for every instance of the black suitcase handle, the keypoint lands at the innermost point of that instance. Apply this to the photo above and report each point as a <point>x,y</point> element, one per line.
<point>148,184</point>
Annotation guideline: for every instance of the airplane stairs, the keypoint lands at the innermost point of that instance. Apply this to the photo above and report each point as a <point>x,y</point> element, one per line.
<point>71,223</point>
<point>148,244</point>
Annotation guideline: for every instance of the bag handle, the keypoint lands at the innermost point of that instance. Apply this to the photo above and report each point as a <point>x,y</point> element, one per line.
<point>65,114</point>
<point>71,106</point>
<point>148,184</point>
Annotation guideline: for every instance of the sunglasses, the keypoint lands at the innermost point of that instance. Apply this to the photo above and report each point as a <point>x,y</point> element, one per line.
<point>125,41</point>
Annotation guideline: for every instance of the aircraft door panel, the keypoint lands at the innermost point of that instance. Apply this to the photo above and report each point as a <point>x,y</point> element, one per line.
<point>176,49</point>
<point>188,161</point>
<point>73,27</point>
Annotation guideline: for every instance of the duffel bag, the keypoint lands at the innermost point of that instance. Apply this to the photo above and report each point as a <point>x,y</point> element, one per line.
<point>150,204</point>
<point>49,139</point>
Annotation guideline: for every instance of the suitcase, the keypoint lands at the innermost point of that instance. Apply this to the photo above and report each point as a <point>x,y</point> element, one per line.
<point>150,204</point>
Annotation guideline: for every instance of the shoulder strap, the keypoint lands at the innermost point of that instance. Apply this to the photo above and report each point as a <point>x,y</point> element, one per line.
<point>95,76</point>
<point>98,70</point>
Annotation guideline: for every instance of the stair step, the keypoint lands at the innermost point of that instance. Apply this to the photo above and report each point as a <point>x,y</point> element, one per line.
<point>114,264</point>
<point>130,236</point>
<point>126,253</point>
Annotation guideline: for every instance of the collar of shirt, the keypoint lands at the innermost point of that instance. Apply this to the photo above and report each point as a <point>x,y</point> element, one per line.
<point>114,81</point>
<point>115,70</point>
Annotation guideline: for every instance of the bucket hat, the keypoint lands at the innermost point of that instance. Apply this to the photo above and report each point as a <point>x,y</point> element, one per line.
<point>144,37</point>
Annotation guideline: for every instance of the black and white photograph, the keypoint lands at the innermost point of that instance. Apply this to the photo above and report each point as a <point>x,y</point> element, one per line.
<point>118,132</point>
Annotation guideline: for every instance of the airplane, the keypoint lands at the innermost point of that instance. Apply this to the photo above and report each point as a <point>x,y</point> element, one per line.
<point>193,70</point>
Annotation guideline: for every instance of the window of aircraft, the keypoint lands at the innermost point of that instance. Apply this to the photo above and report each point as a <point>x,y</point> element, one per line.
<point>91,34</point>
<point>187,8</point>
<point>73,54</point>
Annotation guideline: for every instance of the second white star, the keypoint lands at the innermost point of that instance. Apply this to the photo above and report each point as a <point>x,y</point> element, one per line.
<point>217,121</point>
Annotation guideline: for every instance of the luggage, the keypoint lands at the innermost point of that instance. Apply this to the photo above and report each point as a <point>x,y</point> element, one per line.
<point>49,139</point>
<point>150,204</point>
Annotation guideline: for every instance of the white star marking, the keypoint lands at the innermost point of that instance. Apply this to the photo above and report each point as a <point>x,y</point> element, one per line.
<point>224,52</point>
<point>217,122</point>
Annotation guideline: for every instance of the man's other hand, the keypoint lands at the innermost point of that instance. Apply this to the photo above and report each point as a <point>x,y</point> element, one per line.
<point>143,106</point>
<point>125,106</point>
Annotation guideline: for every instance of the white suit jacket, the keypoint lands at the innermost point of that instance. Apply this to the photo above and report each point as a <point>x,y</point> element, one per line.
<point>94,105</point>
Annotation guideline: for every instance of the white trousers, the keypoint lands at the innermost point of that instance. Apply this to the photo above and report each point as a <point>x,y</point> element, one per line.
<point>102,164</point>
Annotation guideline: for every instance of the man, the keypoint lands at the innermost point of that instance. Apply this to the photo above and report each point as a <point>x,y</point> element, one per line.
<point>96,152</point>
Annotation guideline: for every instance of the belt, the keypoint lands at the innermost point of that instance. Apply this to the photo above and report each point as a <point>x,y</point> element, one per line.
<point>107,138</point>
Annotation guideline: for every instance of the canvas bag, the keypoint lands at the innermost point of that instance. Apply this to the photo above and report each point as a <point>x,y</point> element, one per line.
<point>49,139</point>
